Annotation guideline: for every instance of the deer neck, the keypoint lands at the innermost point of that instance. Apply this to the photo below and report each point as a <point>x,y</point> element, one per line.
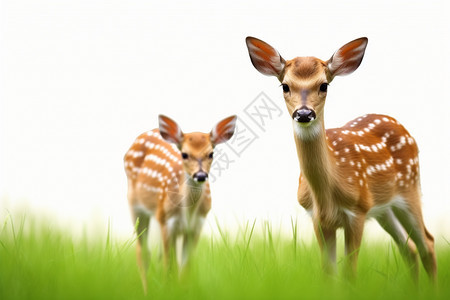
<point>192,192</point>
<point>317,163</point>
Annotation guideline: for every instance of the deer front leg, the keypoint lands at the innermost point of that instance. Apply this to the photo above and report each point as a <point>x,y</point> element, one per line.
<point>169,245</point>
<point>190,240</point>
<point>353,231</point>
<point>327,242</point>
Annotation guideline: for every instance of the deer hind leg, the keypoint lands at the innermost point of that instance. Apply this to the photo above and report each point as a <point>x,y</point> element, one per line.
<point>407,248</point>
<point>141,218</point>
<point>410,216</point>
<point>142,223</point>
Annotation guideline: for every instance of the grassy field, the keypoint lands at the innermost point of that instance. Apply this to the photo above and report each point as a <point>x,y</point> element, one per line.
<point>41,261</point>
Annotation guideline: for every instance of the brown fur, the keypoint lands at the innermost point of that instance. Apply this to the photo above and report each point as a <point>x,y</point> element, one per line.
<point>165,202</point>
<point>331,188</point>
<point>170,186</point>
<point>368,166</point>
<point>168,197</point>
<point>303,67</point>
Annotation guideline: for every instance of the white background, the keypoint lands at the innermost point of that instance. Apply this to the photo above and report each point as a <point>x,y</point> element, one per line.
<point>81,79</point>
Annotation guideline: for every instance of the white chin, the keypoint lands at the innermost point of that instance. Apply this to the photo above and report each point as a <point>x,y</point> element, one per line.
<point>306,131</point>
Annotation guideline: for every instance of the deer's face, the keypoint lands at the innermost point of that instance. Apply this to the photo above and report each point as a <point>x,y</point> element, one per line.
<point>196,147</point>
<point>305,79</point>
<point>197,154</point>
<point>304,82</point>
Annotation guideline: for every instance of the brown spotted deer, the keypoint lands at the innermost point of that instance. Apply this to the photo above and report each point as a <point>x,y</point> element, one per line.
<point>167,173</point>
<point>367,168</point>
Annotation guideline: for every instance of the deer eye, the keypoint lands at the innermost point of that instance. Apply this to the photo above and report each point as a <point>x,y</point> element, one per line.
<point>285,88</point>
<point>184,155</point>
<point>324,87</point>
<point>211,155</point>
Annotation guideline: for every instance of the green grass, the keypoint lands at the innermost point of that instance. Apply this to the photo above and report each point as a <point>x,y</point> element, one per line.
<point>41,261</point>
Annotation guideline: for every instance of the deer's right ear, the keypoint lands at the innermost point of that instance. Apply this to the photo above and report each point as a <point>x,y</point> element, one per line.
<point>264,57</point>
<point>348,58</point>
<point>169,130</point>
<point>224,130</point>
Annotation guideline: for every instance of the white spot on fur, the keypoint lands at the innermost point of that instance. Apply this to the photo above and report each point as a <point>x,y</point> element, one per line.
<point>370,170</point>
<point>402,140</point>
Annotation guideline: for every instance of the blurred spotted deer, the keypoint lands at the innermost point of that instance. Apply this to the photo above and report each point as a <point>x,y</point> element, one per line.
<point>367,168</point>
<point>167,174</point>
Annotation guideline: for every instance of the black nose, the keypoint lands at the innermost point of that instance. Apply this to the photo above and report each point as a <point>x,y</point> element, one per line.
<point>304,115</point>
<point>200,176</point>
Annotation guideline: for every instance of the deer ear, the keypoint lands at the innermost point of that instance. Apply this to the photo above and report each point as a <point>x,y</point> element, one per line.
<point>169,130</point>
<point>264,57</point>
<point>224,130</point>
<point>348,58</point>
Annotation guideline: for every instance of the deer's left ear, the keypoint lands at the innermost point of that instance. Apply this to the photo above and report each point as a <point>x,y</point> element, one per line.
<point>264,57</point>
<point>348,58</point>
<point>224,130</point>
<point>169,130</point>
